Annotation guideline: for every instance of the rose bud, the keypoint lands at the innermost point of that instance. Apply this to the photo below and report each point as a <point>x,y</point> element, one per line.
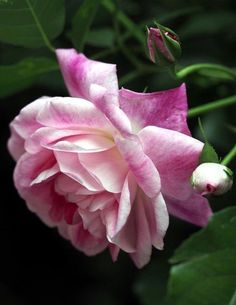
<point>212,178</point>
<point>163,45</point>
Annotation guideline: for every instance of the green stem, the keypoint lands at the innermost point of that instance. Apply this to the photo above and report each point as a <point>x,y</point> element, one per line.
<point>228,101</point>
<point>129,77</point>
<point>197,67</point>
<point>129,55</point>
<point>129,24</point>
<point>40,28</point>
<point>229,157</point>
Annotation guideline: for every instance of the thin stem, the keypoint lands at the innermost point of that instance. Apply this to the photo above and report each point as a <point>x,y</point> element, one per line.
<point>129,77</point>
<point>128,23</point>
<point>129,55</point>
<point>228,101</point>
<point>197,67</point>
<point>39,26</point>
<point>229,157</point>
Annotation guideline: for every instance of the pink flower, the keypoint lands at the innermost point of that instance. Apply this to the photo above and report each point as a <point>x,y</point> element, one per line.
<point>105,166</point>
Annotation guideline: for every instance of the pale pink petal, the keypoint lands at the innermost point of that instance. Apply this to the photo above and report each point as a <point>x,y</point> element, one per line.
<point>108,167</point>
<point>127,197</point>
<point>15,144</point>
<point>158,219</point>
<point>80,73</point>
<point>40,199</point>
<point>92,222</point>
<point>101,201</point>
<point>195,209</point>
<point>109,105</point>
<point>88,143</point>
<point>80,200</point>
<point>85,241</point>
<point>124,239</point>
<point>44,136</point>
<point>73,113</point>
<point>116,215</point>
<point>65,186</point>
<point>175,155</point>
<point>29,167</point>
<point>166,109</point>
<point>26,122</point>
<point>143,239</point>
<point>70,165</point>
<point>33,179</point>
<point>140,165</point>
<point>46,174</point>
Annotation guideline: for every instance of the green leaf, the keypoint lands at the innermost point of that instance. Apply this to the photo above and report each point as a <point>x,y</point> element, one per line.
<point>103,38</point>
<point>22,75</point>
<point>208,154</point>
<point>82,22</point>
<point>31,23</point>
<point>151,284</point>
<point>208,24</point>
<point>206,269</point>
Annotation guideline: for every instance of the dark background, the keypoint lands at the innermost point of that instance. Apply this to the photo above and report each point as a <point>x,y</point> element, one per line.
<point>36,265</point>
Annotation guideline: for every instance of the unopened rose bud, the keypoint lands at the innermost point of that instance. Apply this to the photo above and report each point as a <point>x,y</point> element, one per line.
<point>212,178</point>
<point>163,45</point>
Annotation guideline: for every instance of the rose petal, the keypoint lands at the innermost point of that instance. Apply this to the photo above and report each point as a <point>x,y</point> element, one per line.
<point>73,113</point>
<point>143,251</point>
<point>26,123</point>
<point>124,239</point>
<point>92,222</point>
<point>195,209</point>
<point>82,144</point>
<point>175,155</point>
<point>70,165</point>
<point>101,201</point>
<point>141,166</point>
<point>114,251</point>
<point>158,219</point>
<point>166,109</point>
<point>109,105</point>
<point>80,73</point>
<point>46,174</point>
<point>108,167</point>
<point>15,144</point>
<point>85,241</point>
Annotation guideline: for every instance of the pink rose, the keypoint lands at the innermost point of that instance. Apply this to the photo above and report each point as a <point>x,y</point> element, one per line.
<point>107,165</point>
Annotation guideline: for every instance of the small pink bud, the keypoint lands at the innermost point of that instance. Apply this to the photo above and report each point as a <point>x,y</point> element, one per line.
<point>163,46</point>
<point>212,178</point>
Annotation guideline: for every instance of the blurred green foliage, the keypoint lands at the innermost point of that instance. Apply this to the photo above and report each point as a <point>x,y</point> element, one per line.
<point>206,269</point>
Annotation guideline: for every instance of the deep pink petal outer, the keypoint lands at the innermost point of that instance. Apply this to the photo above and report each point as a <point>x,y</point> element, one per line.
<point>80,73</point>
<point>195,210</point>
<point>166,109</point>
<point>176,156</point>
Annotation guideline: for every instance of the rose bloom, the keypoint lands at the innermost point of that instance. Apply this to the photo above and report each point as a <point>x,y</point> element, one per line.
<point>107,166</point>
